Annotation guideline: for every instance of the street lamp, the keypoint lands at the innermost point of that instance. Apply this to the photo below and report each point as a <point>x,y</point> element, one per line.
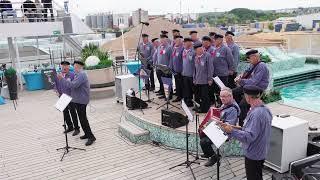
<point>122,26</point>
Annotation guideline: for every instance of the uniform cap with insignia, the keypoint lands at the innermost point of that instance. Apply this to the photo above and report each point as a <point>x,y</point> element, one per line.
<point>252,90</point>
<point>145,35</point>
<point>65,63</point>
<point>187,39</point>
<point>212,34</point>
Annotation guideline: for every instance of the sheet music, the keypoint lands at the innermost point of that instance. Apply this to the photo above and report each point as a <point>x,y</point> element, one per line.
<point>187,111</point>
<point>63,102</point>
<point>215,134</point>
<point>218,81</point>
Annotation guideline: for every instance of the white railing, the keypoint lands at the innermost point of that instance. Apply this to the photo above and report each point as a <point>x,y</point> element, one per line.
<point>30,12</point>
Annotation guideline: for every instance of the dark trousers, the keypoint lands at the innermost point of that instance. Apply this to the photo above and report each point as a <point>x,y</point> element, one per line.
<point>201,95</point>
<point>159,75</point>
<point>150,81</point>
<point>214,90</point>
<point>82,113</point>
<point>70,110</point>
<point>206,146</point>
<point>231,82</point>
<point>179,84</point>
<point>244,106</point>
<point>188,90</point>
<point>45,10</point>
<point>254,169</point>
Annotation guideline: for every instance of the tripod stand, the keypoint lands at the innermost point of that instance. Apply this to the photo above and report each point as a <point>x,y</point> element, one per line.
<point>187,163</point>
<point>67,147</point>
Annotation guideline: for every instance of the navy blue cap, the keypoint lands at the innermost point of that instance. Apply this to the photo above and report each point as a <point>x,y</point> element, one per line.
<point>175,30</point>
<point>216,36</point>
<point>78,62</point>
<point>192,32</point>
<point>187,39</point>
<point>197,45</point>
<point>164,32</point>
<point>65,63</point>
<point>252,90</point>
<point>145,35</point>
<point>163,36</point>
<point>175,37</point>
<point>206,38</point>
<point>212,34</point>
<point>229,32</point>
<point>252,51</point>
<point>154,39</point>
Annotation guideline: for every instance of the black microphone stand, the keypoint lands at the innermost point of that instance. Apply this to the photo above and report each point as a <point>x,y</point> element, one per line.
<point>139,61</point>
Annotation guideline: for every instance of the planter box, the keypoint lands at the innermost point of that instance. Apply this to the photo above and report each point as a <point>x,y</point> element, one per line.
<point>99,78</point>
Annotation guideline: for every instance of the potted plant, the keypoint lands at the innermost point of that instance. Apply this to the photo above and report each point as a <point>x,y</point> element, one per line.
<point>11,79</point>
<point>101,74</point>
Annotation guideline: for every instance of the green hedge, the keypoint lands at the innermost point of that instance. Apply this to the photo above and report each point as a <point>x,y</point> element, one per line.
<point>264,58</point>
<point>271,96</point>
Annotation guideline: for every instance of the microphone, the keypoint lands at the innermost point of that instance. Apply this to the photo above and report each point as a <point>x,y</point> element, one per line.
<point>196,104</point>
<point>145,23</point>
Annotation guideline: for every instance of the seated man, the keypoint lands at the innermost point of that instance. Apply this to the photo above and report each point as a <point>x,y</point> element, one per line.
<point>229,114</point>
<point>7,10</point>
<point>257,74</point>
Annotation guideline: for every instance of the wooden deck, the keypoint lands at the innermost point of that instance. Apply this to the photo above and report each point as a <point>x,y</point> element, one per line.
<point>30,136</point>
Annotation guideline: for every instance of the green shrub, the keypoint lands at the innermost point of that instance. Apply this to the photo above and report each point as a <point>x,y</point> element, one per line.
<point>271,96</point>
<point>10,72</point>
<point>264,58</point>
<point>93,50</point>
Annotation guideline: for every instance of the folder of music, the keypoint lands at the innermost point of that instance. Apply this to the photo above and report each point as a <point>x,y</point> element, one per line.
<point>63,102</point>
<point>218,81</point>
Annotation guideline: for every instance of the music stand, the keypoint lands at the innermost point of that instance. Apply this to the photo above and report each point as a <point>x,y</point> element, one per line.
<point>187,163</point>
<point>168,82</point>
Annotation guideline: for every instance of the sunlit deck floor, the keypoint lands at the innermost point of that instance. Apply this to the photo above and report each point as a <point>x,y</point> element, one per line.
<point>30,136</point>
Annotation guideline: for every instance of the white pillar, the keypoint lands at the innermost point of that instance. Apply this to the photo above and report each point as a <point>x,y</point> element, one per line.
<point>19,64</point>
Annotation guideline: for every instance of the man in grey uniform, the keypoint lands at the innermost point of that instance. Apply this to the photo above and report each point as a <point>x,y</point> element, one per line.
<point>187,71</point>
<point>145,50</point>
<point>202,77</point>
<point>236,57</point>
<point>222,62</point>
<point>176,66</point>
<point>80,93</point>
<point>255,134</point>
<point>194,37</point>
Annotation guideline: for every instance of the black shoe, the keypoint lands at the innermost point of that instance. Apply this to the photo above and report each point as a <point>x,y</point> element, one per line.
<point>90,141</point>
<point>190,105</point>
<point>177,100</point>
<point>162,97</point>
<point>204,156</point>
<point>84,137</point>
<point>212,160</point>
<point>158,91</point>
<point>68,130</point>
<point>152,89</point>
<point>160,94</point>
<point>76,132</point>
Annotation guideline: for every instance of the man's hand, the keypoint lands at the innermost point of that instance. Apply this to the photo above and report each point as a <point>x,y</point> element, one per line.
<point>226,127</point>
<point>194,82</point>
<point>60,76</point>
<point>210,83</point>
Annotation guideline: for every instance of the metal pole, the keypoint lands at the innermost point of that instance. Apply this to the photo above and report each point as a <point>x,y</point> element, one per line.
<point>123,46</point>
<point>19,64</point>
<point>38,53</point>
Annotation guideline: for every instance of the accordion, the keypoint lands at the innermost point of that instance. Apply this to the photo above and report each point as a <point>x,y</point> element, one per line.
<point>212,114</point>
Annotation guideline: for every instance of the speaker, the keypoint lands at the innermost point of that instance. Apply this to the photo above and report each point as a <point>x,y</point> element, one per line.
<point>173,119</point>
<point>303,167</point>
<point>133,102</point>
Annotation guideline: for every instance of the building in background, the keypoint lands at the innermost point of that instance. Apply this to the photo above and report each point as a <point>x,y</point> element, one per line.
<point>139,16</point>
<point>121,19</point>
<point>99,21</point>
<point>309,21</point>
